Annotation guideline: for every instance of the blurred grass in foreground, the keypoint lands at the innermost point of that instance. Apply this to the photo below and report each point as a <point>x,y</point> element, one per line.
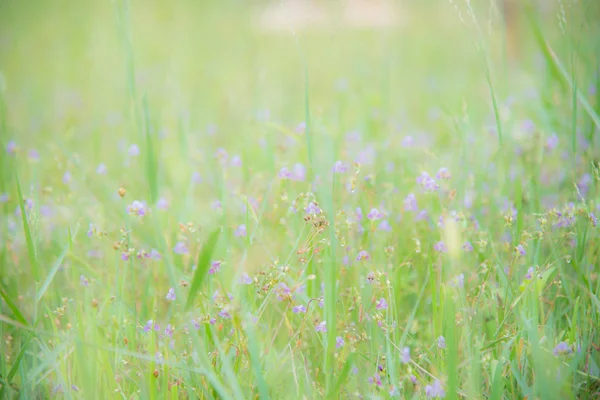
<point>372,280</point>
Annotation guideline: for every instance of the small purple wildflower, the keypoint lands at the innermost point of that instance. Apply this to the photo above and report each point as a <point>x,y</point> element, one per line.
<point>301,127</point>
<point>440,247</point>
<point>285,173</point>
<point>384,226</point>
<point>169,330</point>
<point>441,342</point>
<point>312,209</point>
<point>362,256</point>
<point>224,314</point>
<point>240,231</point>
<point>133,150</point>
<point>374,214</point>
<point>593,219</point>
<point>154,255</point>
<point>460,281</point>
<point>196,178</point>
<point>530,273</point>
<point>195,324</point>
<point>322,327</point>
<point>467,246</point>
<point>381,304</point>
<point>33,155</point>
<point>125,256</point>
<point>375,379</point>
<point>11,147</point>
<point>520,250</point>
<point>216,205</point>
<point>427,183</point>
<point>299,309</point>
<point>84,281</point>
<point>283,291</point>
<point>562,348</point>
<point>149,326</point>
<point>422,216</point>
<point>180,248</point>
<point>410,203</point>
<point>408,141</point>
<point>359,214</point>
<point>443,174</point>
<point>584,184</point>
<point>245,279</point>
<point>236,161</point>
<point>101,169</point>
<point>435,390</point>
<point>171,295</point>
<point>3,198</point>
<point>413,379</point>
<point>137,208</point>
<point>339,167</point>
<point>339,342</point>
<point>67,177</point>
<point>552,142</point>
<point>162,204</point>
<point>215,267</point>
<point>405,355</point>
<point>299,172</point>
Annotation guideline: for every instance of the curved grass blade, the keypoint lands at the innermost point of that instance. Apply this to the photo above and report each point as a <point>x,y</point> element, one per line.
<point>26,228</point>
<point>13,308</point>
<point>202,266</point>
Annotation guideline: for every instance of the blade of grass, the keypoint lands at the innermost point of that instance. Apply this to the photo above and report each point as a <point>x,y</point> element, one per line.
<point>202,266</point>
<point>13,308</point>
<point>31,251</point>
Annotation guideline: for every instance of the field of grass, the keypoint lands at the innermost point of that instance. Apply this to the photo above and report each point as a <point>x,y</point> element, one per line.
<point>192,207</point>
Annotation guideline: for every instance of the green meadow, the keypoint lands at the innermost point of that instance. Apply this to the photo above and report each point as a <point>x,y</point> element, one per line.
<point>193,206</point>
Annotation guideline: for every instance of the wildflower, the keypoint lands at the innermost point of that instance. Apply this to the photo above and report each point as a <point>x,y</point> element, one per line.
<point>180,248</point>
<point>322,327</point>
<point>339,342</point>
<point>443,174</point>
<point>245,279</point>
<point>381,304</point>
<point>3,198</point>
<point>171,295</point>
<point>394,392</point>
<point>422,216</point>
<point>154,254</point>
<point>216,205</point>
<point>215,267</point>
<point>359,214</point>
<point>413,379</point>
<point>101,169</point>
<point>162,204</point>
<point>384,226</point>
<point>11,147</point>
<point>299,173</point>
<point>224,314</point>
<point>67,178</point>
<point>460,280</point>
<point>374,214</point>
<point>149,326</point>
<point>133,150</point>
<point>530,272</point>
<point>137,208</point>
<point>435,390</point>
<point>283,292</point>
<point>33,155</point>
<point>240,231</point>
<point>195,324</point>
<point>408,141</point>
<point>312,209</point>
<point>427,182</point>
<point>441,342</point>
<point>584,184</point>
<point>196,178</point>
<point>299,309</point>
<point>169,330</point>
<point>552,142</point>
<point>375,379</point>
<point>520,250</point>
<point>371,277</point>
<point>236,161</point>
<point>125,256</point>
<point>410,203</point>
<point>440,247</point>
<point>84,281</point>
<point>440,221</point>
<point>321,302</point>
<point>362,256</point>
<point>339,167</point>
<point>285,173</point>
<point>593,219</point>
<point>405,355</point>
<point>562,348</point>
<point>467,246</point>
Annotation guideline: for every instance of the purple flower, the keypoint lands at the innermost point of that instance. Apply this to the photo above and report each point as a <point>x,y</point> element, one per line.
<point>435,390</point>
<point>169,330</point>
<point>460,280</point>
<point>195,324</point>
<point>312,209</point>
<point>196,178</point>
<point>67,178</point>
<point>427,182</point>
<point>171,295</point>
<point>405,355</point>
<point>375,380</point>
<point>236,161</point>
<point>283,291</point>
<point>440,247</point>
<point>11,147</point>
<point>162,204</point>
<point>137,208</point>
<point>584,184</point>
<point>216,205</point>
<point>467,246</point>
<point>384,226</point>
<point>101,169</point>
<point>322,327</point>
<point>443,174</point>
<point>299,309</point>
<point>562,348</point>
<point>224,314</point>
<point>285,173</point>
<point>84,281</point>
<point>422,216</point>
<point>33,155</point>
<point>552,142</point>
<point>133,150</point>
<point>381,304</point>
<point>339,167</point>
<point>154,255</point>
<point>410,203</point>
<point>245,279</point>
<point>240,231</point>
<point>180,248</point>
<point>593,219</point>
<point>3,198</point>
<point>441,342</point>
<point>408,141</point>
<point>359,214</point>
<point>215,267</point>
<point>530,273</point>
<point>374,214</point>
<point>362,256</point>
<point>339,342</point>
<point>125,256</point>
<point>299,172</point>
<point>413,379</point>
<point>520,250</point>
<point>149,326</point>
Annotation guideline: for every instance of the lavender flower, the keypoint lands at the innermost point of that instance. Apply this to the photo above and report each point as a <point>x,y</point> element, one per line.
<point>384,226</point>
<point>224,314</point>
<point>530,273</point>
<point>408,141</point>
<point>422,216</point>
<point>593,219</point>
<point>359,214</point>
<point>299,173</point>
<point>240,231</point>
<point>11,147</point>
<point>162,204</point>
<point>562,348</point>
<point>427,183</point>
<point>195,324</point>
<point>169,330</point>
<point>180,248</point>
<point>149,326</point>
<point>381,304</point>
<point>196,178</point>
<point>285,173</point>
<point>441,342</point>
<point>67,178</point>
<point>171,295</point>
<point>322,327</point>
<point>362,256</point>
<point>375,379</point>
<point>84,281</point>
<point>440,247</point>
<point>101,169</point>
<point>236,161</point>
<point>520,250</point>
<point>299,309</point>
<point>312,209</point>
<point>3,198</point>
<point>339,342</point>
<point>552,142</point>
<point>215,267</point>
<point>245,279</point>
<point>154,255</point>
<point>374,214</point>
<point>435,390</point>
<point>33,155</point>
<point>410,203</point>
<point>443,174</point>
<point>137,208</point>
<point>133,150</point>
<point>339,167</point>
<point>405,355</point>
<point>467,246</point>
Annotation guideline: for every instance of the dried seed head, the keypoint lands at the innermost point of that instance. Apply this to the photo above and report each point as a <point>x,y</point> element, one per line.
<point>122,192</point>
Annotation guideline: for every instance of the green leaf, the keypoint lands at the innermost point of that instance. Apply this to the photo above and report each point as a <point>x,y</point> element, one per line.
<point>343,376</point>
<point>13,307</point>
<point>202,266</point>
<point>52,273</point>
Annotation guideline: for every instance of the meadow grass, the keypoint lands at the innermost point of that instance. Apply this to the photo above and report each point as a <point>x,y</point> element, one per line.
<point>195,208</point>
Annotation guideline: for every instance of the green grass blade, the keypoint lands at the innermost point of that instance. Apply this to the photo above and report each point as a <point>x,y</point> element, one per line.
<point>50,277</point>
<point>13,308</point>
<point>31,251</point>
<point>202,266</point>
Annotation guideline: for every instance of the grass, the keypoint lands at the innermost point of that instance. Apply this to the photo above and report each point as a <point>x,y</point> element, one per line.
<point>274,182</point>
